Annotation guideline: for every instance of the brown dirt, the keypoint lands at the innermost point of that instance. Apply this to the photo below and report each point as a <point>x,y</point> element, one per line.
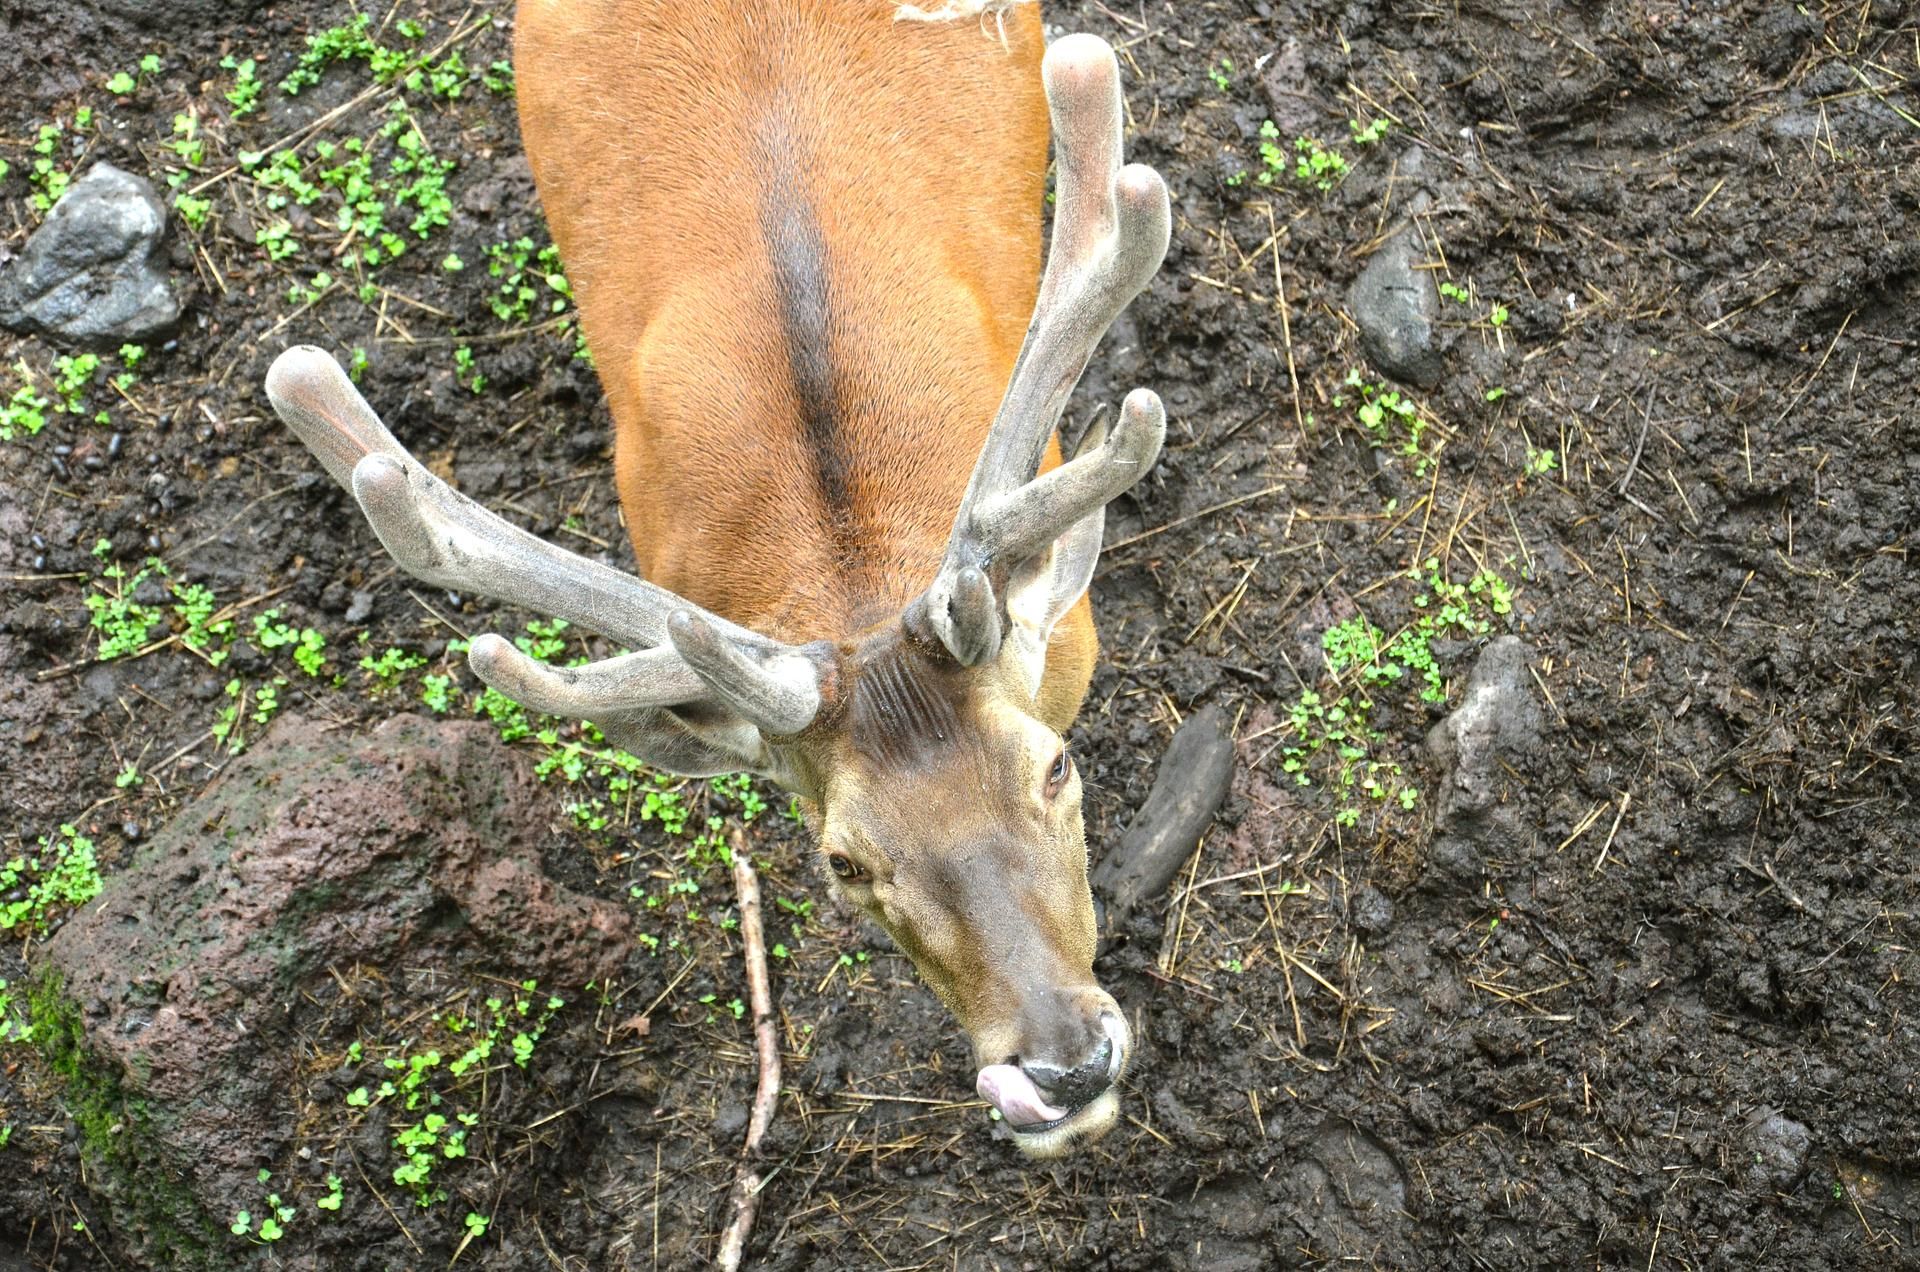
<point>1661,1018</point>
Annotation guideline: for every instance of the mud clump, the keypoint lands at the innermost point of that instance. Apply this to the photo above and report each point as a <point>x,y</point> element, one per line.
<point>183,987</point>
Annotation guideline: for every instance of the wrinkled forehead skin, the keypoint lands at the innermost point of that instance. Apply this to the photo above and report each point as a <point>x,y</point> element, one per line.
<point>977,875</point>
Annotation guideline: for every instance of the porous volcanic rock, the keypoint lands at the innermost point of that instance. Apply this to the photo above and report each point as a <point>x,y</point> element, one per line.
<point>415,845</point>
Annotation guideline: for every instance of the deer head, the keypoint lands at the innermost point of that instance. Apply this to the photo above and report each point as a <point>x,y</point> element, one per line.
<point>928,749</point>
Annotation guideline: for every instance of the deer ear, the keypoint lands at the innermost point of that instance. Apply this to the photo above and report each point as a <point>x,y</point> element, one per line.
<point>1041,592</point>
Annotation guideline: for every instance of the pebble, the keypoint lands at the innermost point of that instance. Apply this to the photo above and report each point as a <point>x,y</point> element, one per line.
<point>93,272</point>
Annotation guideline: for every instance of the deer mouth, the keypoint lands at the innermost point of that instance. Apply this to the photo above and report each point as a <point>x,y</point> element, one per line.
<point>1079,1110</point>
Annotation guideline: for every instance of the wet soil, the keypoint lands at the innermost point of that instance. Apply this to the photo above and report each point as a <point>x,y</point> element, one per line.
<point>1658,1013</point>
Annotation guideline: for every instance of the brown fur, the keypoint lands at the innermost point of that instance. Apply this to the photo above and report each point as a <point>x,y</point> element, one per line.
<point>806,244</point>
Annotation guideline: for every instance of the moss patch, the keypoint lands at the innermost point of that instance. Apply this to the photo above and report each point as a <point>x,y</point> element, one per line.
<point>128,1172</point>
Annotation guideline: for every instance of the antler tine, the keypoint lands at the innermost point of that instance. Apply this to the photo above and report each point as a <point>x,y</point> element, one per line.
<point>441,536</point>
<point>639,683</point>
<point>1110,232</point>
<point>1023,521</point>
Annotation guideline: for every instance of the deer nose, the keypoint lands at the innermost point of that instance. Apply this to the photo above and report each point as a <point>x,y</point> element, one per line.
<point>1079,1086</point>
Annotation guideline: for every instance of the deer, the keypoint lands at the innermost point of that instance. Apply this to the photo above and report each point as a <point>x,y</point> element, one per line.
<point>804,240</point>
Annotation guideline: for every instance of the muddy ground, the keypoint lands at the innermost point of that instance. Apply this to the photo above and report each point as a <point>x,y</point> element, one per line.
<point>1654,1010</point>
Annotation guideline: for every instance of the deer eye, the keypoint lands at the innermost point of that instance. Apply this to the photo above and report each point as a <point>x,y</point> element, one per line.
<point>843,866</point>
<point>1058,774</point>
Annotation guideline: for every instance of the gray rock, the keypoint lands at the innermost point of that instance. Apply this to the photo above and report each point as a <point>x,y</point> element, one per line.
<point>1779,1146</point>
<point>92,272</point>
<point>1394,305</point>
<point>1497,717</point>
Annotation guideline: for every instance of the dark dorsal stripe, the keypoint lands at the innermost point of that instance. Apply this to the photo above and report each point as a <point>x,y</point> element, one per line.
<point>797,252</point>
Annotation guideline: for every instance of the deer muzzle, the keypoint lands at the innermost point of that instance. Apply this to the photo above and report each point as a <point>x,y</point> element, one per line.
<point>1053,1101</point>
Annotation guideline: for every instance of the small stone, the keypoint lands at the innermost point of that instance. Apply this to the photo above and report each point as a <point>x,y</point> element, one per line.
<point>92,273</point>
<point>1497,717</point>
<point>1394,305</point>
<point>1779,1146</point>
<point>360,608</point>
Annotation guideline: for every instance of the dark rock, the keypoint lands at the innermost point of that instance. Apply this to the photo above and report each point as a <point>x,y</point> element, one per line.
<point>91,273</point>
<point>1393,301</point>
<point>1188,788</point>
<point>416,845</point>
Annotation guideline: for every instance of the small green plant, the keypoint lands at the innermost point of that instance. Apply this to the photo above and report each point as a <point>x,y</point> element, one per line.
<point>25,412</point>
<point>1221,73</point>
<point>389,666</point>
<point>465,371</point>
<point>43,173</point>
<point>1393,421</point>
<point>187,143</point>
<point>1317,164</point>
<point>193,211</point>
<point>209,637</point>
<point>308,293</point>
<point>71,375</point>
<point>333,1196</point>
<point>437,693</point>
<point>423,1088</point>
<point>120,84</point>
<point>226,726</point>
<point>443,79</point>
<point>277,237</point>
<point>13,1026</point>
<point>1454,292</point>
<point>129,776</point>
<point>63,873</point>
<point>1541,461</point>
<point>266,699</point>
<point>121,621</point>
<point>336,44</point>
<point>1333,738</point>
<point>1272,159</point>
<point>244,96</point>
<point>1369,133</point>
<point>308,647</point>
<point>521,270</point>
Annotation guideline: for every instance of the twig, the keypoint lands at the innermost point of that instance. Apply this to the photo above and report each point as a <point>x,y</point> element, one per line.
<point>766,1043</point>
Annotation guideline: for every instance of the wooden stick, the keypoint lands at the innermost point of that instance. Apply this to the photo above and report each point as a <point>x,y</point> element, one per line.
<point>766,1044</point>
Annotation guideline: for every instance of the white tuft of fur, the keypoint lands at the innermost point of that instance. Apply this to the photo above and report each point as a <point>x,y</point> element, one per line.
<point>1084,1127</point>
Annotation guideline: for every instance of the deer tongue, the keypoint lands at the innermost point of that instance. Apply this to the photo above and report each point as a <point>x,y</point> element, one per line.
<point>1013,1093</point>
